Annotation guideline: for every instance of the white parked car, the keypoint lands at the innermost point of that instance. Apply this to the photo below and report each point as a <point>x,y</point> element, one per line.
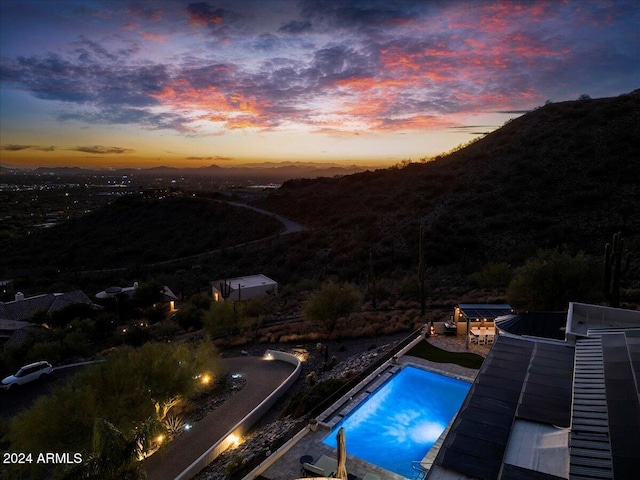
<point>27,374</point>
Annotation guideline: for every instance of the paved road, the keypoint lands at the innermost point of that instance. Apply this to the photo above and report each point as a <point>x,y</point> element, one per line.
<point>20,398</point>
<point>289,225</point>
<point>262,378</point>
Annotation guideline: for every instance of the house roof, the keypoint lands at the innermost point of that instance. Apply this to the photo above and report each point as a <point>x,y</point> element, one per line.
<point>246,281</point>
<point>545,409</point>
<point>606,412</point>
<point>49,302</point>
<point>167,294</point>
<point>520,379</point>
<point>10,326</point>
<point>484,310</point>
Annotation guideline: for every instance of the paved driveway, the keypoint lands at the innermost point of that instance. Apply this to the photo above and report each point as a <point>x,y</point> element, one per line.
<point>262,378</point>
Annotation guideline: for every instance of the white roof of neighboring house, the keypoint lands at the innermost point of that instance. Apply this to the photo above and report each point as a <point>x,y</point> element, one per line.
<point>246,281</point>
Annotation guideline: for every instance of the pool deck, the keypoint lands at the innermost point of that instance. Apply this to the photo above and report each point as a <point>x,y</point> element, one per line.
<point>288,466</point>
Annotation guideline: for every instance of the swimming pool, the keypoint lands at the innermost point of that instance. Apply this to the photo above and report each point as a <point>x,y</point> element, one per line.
<point>399,422</point>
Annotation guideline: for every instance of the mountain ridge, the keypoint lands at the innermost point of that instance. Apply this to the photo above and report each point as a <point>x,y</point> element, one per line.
<point>567,173</point>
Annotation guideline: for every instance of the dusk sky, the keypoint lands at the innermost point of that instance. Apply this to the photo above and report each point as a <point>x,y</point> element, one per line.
<point>180,83</point>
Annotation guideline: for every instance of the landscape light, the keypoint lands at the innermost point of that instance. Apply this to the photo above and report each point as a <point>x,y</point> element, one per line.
<point>233,439</point>
<point>187,426</point>
<point>160,438</point>
<point>206,378</point>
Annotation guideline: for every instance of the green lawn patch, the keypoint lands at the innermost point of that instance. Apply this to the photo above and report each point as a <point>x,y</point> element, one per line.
<point>429,352</point>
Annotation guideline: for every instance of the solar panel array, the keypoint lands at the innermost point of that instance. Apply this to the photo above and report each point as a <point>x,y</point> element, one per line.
<point>535,324</point>
<point>519,378</point>
<point>489,312</point>
<point>621,355</point>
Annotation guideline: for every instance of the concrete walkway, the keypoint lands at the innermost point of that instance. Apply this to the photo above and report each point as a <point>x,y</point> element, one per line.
<point>262,378</point>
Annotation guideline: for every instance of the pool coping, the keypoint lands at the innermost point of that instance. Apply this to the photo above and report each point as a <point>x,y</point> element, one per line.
<point>355,396</point>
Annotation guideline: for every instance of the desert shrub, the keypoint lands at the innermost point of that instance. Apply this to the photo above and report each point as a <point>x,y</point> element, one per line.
<point>304,401</point>
<point>332,301</point>
<point>551,279</point>
<point>165,329</point>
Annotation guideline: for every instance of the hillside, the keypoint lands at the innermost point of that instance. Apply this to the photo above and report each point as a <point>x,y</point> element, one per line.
<point>135,231</point>
<point>565,174</point>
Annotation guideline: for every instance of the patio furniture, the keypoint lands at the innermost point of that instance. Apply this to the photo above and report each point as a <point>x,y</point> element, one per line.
<point>450,329</point>
<point>324,467</point>
<point>481,335</point>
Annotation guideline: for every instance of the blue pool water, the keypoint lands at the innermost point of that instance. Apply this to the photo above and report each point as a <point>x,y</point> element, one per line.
<point>402,419</point>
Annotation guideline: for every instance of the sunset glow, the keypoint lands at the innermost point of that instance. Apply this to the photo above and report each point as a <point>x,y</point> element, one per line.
<point>145,83</point>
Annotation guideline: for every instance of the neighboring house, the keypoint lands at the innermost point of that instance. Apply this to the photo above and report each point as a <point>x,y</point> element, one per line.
<point>243,288</point>
<point>14,315</point>
<point>13,331</point>
<point>24,308</point>
<point>167,295</point>
<point>543,408</point>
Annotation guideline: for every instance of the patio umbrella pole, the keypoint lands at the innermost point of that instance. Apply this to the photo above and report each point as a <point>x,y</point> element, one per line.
<point>341,470</point>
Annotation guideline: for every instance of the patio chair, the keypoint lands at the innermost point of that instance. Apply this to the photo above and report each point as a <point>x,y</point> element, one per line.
<point>324,467</point>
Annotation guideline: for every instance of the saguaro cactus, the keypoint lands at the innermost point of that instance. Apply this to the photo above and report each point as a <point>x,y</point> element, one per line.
<point>225,289</point>
<point>371,283</point>
<point>422,272</point>
<point>616,264</point>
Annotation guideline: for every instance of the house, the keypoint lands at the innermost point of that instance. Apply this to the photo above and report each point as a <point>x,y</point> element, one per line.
<point>167,295</point>
<point>13,329</point>
<point>243,288</point>
<point>14,315</point>
<point>543,408</point>
<point>23,308</point>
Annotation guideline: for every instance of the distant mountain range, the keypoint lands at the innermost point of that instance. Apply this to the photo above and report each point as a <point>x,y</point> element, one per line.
<point>277,170</point>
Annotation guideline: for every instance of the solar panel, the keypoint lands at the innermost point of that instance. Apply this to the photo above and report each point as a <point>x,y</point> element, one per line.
<point>483,467</point>
<point>623,404</point>
<point>488,412</point>
<point>513,472</point>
